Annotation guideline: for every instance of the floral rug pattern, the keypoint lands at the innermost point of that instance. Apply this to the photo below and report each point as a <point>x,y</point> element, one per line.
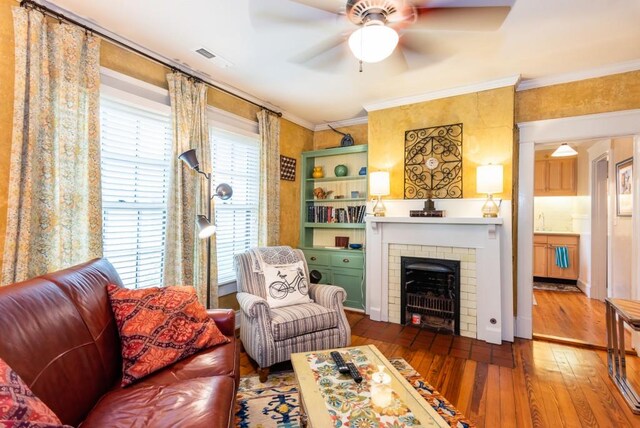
<point>349,403</point>
<point>275,402</point>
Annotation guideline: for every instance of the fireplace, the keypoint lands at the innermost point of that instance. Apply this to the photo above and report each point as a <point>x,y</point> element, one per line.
<point>486,293</point>
<point>430,293</point>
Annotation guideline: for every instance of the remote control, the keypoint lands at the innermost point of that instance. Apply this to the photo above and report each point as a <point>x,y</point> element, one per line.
<point>340,363</point>
<point>353,371</point>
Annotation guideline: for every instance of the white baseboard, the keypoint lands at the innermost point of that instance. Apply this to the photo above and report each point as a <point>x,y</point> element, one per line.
<point>584,287</point>
<point>524,327</point>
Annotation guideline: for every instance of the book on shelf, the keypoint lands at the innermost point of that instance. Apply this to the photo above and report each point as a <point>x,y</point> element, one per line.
<point>329,214</point>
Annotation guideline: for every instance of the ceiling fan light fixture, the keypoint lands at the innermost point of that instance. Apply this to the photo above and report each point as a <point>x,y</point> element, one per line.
<point>373,42</point>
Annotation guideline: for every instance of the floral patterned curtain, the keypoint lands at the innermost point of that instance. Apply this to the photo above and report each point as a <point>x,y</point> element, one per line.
<point>54,214</point>
<point>269,205</point>
<point>185,254</point>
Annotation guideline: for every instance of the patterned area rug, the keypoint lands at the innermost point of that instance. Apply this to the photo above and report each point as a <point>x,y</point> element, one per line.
<point>552,286</point>
<point>275,403</point>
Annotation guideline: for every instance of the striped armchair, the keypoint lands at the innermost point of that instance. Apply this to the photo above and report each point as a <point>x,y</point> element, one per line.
<point>271,335</point>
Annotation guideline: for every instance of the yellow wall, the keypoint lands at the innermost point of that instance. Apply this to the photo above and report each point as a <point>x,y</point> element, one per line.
<point>329,139</point>
<point>6,108</point>
<point>487,119</point>
<point>294,140</point>
<point>600,95</point>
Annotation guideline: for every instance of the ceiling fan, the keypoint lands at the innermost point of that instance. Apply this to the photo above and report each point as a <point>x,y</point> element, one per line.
<point>377,27</point>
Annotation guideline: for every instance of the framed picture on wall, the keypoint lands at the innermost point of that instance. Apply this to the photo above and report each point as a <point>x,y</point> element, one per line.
<point>624,187</point>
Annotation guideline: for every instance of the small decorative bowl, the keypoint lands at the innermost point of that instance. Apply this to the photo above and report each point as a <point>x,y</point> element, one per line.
<point>355,246</point>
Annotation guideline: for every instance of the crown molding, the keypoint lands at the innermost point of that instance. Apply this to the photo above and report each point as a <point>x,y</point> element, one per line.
<point>342,123</point>
<point>621,67</point>
<point>443,93</point>
<point>298,120</point>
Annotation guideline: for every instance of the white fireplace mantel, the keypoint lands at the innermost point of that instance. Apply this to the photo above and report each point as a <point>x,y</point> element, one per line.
<point>481,234</point>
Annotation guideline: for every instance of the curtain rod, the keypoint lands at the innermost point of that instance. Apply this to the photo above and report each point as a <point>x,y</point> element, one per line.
<point>61,17</point>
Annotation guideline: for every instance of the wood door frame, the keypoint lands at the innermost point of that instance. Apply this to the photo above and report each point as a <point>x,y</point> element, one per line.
<point>602,125</point>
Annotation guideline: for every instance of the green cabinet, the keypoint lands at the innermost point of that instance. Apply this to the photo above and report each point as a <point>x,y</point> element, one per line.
<point>340,215</point>
<point>344,268</point>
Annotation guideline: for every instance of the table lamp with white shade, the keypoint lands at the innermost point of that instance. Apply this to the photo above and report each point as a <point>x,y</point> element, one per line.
<point>489,181</point>
<point>378,187</point>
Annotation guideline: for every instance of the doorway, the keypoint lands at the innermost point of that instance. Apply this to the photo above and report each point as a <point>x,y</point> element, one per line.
<point>555,130</point>
<point>565,198</point>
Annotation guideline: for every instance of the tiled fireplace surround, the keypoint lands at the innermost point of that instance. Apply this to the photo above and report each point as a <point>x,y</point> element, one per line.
<point>481,245</point>
<point>467,259</point>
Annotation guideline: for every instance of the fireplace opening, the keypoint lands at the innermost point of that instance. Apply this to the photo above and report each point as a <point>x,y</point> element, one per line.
<point>430,294</point>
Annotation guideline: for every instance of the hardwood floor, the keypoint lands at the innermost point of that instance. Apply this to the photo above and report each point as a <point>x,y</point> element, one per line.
<point>547,385</point>
<point>571,315</point>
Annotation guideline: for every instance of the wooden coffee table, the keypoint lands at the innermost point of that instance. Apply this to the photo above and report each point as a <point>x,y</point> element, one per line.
<point>326,395</point>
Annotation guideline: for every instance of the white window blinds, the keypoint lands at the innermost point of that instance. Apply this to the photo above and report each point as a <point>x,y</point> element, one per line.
<point>136,151</point>
<point>236,161</point>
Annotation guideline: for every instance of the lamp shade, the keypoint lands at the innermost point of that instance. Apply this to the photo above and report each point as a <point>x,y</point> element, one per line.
<point>224,191</point>
<point>564,150</point>
<point>205,227</point>
<point>373,42</point>
<point>379,183</point>
<point>190,158</point>
<point>489,179</point>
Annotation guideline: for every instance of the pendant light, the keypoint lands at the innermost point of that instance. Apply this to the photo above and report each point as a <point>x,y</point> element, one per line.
<point>564,150</point>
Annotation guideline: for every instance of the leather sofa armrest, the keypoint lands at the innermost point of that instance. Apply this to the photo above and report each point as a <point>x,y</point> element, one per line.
<point>225,319</point>
<point>329,296</point>
<point>251,304</point>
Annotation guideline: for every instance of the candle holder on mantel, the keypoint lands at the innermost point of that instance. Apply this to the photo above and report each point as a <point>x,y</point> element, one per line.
<point>429,209</point>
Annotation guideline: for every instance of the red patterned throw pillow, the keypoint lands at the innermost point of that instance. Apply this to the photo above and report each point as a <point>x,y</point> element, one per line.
<point>159,326</point>
<point>18,405</point>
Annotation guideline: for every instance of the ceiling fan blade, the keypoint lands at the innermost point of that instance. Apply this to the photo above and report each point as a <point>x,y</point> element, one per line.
<point>334,60</point>
<point>331,6</point>
<point>263,15</point>
<point>269,18</point>
<point>424,49</point>
<point>319,49</point>
<point>397,62</point>
<point>461,3</point>
<point>460,18</point>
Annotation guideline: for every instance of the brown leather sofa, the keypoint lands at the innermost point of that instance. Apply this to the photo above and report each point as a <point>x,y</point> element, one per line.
<point>58,333</point>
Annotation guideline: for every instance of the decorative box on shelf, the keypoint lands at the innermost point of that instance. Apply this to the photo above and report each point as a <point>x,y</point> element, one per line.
<point>425,213</point>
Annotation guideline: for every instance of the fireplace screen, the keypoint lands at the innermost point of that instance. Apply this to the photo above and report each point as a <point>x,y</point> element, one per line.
<point>430,293</point>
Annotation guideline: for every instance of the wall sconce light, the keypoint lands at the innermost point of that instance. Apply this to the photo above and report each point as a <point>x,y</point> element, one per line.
<point>489,181</point>
<point>378,187</point>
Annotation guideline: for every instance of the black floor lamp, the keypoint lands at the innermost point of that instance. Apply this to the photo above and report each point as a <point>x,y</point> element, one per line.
<point>205,224</point>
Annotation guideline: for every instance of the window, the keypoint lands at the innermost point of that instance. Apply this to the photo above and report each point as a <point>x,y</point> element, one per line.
<point>136,152</point>
<point>236,161</point>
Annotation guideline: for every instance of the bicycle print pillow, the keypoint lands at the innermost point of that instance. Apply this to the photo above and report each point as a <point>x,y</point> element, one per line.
<point>286,285</point>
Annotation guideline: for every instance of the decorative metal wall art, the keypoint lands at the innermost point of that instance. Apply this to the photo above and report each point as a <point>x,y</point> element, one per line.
<point>287,168</point>
<point>433,162</point>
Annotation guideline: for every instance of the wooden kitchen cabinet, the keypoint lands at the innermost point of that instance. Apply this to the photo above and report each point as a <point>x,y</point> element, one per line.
<point>555,177</point>
<point>540,255</point>
<point>544,256</point>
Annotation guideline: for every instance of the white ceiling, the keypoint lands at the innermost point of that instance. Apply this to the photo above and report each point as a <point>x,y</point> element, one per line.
<point>538,38</point>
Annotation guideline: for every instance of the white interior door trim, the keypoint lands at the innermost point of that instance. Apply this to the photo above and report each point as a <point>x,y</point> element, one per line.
<point>635,231</point>
<point>600,260</point>
<point>626,122</point>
